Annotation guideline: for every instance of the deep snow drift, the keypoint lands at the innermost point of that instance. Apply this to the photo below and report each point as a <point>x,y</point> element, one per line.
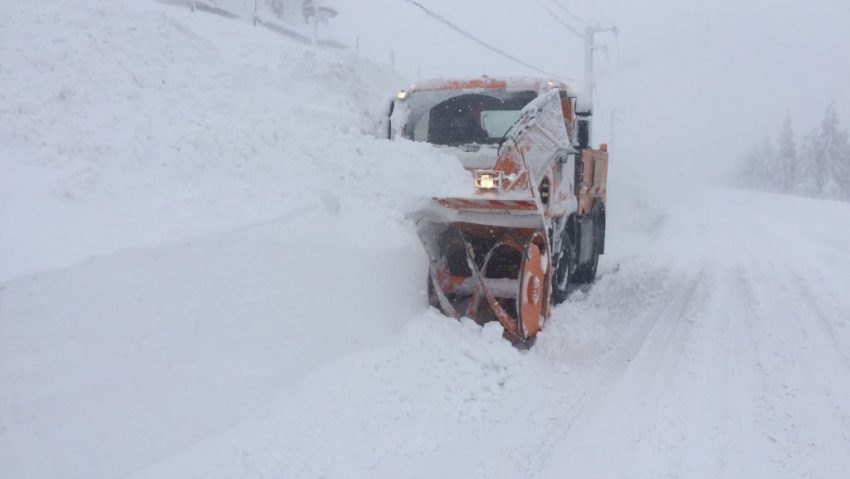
<point>209,274</point>
<point>135,123</point>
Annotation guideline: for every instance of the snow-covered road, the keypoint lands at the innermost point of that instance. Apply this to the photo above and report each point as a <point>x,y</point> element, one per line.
<point>714,344</point>
<point>736,362</point>
<point>206,271</point>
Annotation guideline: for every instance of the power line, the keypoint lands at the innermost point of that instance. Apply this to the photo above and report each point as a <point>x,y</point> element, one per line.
<point>563,22</point>
<point>484,44</point>
<point>569,12</point>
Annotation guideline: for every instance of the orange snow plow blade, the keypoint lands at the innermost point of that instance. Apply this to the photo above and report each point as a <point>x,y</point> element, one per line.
<point>487,273</point>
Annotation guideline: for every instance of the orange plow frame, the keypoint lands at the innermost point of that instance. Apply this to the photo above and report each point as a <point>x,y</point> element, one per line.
<point>489,273</point>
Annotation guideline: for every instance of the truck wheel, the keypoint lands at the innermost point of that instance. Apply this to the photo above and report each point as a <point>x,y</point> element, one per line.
<point>561,278</point>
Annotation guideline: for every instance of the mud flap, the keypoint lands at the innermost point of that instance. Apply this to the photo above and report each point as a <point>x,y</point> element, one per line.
<point>586,240</point>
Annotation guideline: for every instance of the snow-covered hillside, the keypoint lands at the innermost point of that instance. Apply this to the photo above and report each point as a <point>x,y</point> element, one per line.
<point>128,123</point>
<point>206,271</point>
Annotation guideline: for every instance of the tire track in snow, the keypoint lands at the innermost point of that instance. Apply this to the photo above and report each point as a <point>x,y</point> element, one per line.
<point>636,361</point>
<point>724,396</point>
<point>798,360</point>
<point>740,374</point>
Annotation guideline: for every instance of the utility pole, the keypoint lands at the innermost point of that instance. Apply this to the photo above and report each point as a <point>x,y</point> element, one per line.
<point>589,50</point>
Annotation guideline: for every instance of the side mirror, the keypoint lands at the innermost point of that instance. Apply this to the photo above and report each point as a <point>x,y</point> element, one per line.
<point>563,156</point>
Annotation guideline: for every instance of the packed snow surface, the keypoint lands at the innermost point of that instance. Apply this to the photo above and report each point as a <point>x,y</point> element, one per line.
<point>206,271</point>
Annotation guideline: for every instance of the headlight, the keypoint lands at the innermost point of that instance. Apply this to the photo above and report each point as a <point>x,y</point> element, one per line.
<point>401,95</point>
<point>488,181</point>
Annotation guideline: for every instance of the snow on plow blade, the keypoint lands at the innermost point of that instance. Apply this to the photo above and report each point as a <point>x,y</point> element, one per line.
<point>521,213</point>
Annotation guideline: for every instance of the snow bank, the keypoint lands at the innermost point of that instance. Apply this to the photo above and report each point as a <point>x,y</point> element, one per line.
<point>436,375</point>
<point>135,123</point>
<point>189,205</point>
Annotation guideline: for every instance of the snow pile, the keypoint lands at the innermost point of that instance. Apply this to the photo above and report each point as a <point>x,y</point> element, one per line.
<point>222,224</point>
<point>436,374</point>
<point>147,123</point>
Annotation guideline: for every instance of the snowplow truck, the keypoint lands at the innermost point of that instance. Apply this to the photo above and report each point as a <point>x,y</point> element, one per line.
<point>533,224</point>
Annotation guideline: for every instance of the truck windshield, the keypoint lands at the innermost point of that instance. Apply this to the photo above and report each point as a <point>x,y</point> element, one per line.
<point>463,117</point>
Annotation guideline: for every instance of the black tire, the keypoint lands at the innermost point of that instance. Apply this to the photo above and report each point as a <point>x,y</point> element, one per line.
<point>561,280</point>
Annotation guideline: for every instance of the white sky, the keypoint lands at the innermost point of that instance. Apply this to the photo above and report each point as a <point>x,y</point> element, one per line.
<point>694,84</point>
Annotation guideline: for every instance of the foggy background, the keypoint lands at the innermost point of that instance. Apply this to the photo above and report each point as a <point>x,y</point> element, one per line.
<point>690,85</point>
